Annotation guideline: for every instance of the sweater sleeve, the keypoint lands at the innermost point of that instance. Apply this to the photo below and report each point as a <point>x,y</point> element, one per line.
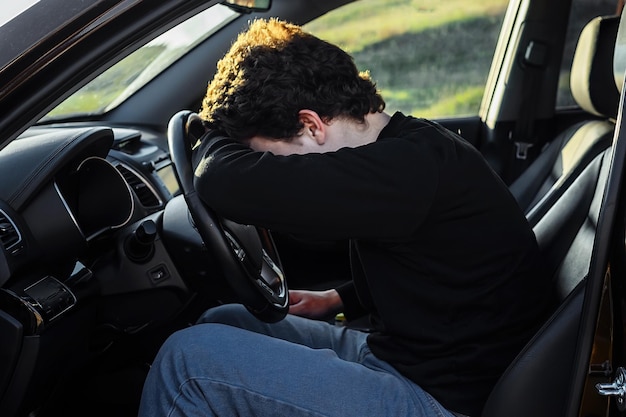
<point>352,307</point>
<point>379,190</point>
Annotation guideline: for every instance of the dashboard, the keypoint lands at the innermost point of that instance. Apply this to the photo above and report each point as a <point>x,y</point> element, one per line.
<point>95,239</point>
<point>77,199</point>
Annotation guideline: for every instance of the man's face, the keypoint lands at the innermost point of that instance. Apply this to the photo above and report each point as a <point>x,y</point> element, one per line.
<point>297,145</point>
<point>319,136</point>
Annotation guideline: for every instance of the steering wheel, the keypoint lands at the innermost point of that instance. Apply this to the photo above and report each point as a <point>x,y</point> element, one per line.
<point>246,254</point>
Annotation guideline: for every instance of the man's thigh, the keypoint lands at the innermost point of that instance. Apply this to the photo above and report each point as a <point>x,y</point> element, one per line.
<point>215,369</point>
<point>316,334</point>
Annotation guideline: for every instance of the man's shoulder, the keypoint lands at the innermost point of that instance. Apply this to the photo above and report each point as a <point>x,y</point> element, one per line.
<point>423,136</point>
<point>412,127</point>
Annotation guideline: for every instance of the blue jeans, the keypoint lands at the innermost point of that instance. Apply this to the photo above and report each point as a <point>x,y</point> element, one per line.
<point>231,364</point>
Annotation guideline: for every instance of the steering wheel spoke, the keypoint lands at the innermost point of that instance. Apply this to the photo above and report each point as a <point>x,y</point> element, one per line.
<point>246,254</point>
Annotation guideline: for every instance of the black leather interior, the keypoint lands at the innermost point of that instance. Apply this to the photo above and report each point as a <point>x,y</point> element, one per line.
<point>31,163</point>
<point>564,157</point>
<point>537,381</point>
<point>535,385</point>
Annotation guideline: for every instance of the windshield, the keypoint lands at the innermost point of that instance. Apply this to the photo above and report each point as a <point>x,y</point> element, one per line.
<point>133,72</point>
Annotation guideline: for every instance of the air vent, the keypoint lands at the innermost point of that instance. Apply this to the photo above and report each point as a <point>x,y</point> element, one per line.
<point>145,193</point>
<point>9,235</point>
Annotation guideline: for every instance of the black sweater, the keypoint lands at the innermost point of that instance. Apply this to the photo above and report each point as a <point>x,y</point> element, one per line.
<point>443,259</point>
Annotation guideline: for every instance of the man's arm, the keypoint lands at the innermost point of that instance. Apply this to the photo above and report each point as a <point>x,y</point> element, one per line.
<point>314,304</point>
<point>378,190</point>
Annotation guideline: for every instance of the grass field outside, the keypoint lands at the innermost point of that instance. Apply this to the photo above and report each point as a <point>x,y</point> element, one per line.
<point>428,57</point>
<point>109,85</point>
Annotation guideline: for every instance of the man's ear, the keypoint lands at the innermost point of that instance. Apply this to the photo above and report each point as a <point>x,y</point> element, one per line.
<point>313,125</point>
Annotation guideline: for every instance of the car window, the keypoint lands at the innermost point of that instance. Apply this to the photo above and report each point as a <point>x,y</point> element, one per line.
<point>123,79</point>
<point>429,58</point>
<point>581,13</point>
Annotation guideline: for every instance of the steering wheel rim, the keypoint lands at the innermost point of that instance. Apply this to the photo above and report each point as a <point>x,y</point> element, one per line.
<point>246,254</point>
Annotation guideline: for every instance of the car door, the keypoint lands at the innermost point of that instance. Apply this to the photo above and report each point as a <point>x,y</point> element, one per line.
<point>599,368</point>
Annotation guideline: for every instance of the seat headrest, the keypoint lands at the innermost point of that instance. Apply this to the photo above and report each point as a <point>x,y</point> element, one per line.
<point>619,58</point>
<point>591,80</point>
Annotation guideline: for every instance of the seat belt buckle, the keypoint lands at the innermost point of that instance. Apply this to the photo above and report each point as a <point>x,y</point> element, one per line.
<point>521,149</point>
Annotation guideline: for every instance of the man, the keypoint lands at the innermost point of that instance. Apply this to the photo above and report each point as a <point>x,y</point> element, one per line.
<point>443,260</point>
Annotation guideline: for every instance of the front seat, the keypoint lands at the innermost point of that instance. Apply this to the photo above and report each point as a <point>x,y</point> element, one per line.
<point>564,158</point>
<point>537,382</point>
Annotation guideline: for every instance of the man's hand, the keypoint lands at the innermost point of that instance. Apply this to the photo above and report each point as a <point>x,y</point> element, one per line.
<point>314,304</point>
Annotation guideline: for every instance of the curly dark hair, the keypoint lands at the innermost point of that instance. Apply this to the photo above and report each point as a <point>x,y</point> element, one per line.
<point>274,70</point>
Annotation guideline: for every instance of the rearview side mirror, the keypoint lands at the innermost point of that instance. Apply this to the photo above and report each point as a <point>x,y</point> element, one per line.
<point>248,6</point>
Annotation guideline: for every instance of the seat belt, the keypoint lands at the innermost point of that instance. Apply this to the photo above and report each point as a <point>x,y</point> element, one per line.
<point>523,136</point>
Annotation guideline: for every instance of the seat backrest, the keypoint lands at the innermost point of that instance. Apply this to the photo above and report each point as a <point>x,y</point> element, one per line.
<point>566,233</point>
<point>536,382</point>
<point>564,157</point>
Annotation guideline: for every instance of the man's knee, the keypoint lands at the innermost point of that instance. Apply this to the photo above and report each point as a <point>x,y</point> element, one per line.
<point>231,314</point>
<point>189,352</point>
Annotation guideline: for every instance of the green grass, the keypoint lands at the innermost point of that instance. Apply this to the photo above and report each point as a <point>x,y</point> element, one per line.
<point>426,56</point>
<point>85,102</point>
<point>362,23</point>
<point>109,85</point>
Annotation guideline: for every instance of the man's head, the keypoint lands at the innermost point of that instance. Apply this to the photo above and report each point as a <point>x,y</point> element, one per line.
<point>274,71</point>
